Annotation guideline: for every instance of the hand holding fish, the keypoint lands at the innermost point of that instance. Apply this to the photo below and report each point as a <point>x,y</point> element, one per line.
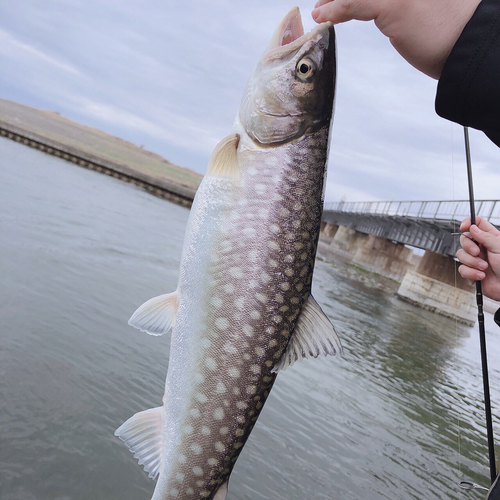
<point>423,32</point>
<point>482,262</point>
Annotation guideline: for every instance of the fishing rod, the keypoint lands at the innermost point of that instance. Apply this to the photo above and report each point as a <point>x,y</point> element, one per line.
<point>482,334</point>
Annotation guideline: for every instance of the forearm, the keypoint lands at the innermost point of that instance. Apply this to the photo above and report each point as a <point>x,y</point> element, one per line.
<point>468,89</point>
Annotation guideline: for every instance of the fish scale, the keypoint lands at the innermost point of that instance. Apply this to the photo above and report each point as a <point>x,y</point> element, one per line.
<point>242,309</point>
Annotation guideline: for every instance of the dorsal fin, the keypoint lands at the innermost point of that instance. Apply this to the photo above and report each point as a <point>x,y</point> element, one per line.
<point>224,160</point>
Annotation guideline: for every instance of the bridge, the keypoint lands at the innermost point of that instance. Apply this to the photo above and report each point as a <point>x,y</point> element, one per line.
<point>378,236</point>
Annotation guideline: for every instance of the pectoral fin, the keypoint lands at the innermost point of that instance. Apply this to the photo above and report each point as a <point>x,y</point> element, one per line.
<point>157,315</point>
<point>313,335</point>
<point>224,160</point>
<point>142,433</point>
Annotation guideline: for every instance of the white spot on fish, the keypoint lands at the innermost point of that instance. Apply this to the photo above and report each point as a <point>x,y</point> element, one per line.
<point>272,343</point>
<point>180,477</point>
<point>199,378</point>
<point>255,314</point>
<point>187,429</point>
<point>205,431</point>
<point>265,278</point>
<point>255,369</point>
<point>219,413</point>
<point>198,471</point>
<point>212,461</point>
<point>239,302</point>
<point>195,413</point>
<point>261,297</point>
<point>219,446</point>
<point>216,301</point>
<point>251,389</point>
<point>229,348</point>
<point>260,351</point>
<point>263,212</point>
<point>241,405</point>
<point>260,188</point>
<point>236,390</point>
<point>274,228</point>
<point>233,372</point>
<point>246,356</point>
<point>196,448</point>
<point>236,272</point>
<point>211,364</point>
<point>205,343</point>
<point>249,231</point>
<point>174,492</point>
<point>224,430</point>
<point>181,458</point>
<point>201,397</point>
<point>289,258</point>
<point>190,491</point>
<point>273,245</point>
<point>279,298</point>
<point>272,263</point>
<point>285,286</point>
<point>222,323</point>
<point>221,388</point>
<point>253,255</point>
<point>229,288</point>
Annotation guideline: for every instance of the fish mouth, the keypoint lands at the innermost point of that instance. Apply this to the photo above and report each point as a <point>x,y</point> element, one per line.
<point>289,36</point>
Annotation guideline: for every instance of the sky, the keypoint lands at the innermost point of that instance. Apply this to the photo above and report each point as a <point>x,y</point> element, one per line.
<point>170,75</point>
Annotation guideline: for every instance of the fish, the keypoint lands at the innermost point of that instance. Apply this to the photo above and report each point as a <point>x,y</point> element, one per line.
<point>243,309</point>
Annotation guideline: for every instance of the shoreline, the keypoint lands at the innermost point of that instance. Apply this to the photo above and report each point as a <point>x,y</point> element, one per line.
<point>176,193</point>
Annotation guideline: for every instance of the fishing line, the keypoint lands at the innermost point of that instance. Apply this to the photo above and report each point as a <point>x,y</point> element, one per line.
<point>482,334</point>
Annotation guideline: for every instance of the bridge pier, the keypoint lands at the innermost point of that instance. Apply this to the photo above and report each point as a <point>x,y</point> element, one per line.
<point>348,240</point>
<point>384,257</point>
<point>328,230</point>
<point>437,286</point>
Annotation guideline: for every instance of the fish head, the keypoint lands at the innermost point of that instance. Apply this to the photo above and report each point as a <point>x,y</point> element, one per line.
<point>291,92</point>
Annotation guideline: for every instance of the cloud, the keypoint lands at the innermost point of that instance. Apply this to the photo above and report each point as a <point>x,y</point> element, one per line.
<point>171,75</point>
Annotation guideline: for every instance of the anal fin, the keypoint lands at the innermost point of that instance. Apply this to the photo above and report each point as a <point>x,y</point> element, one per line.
<point>142,433</point>
<point>313,335</point>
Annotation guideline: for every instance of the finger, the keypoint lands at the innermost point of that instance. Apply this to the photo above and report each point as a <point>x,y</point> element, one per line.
<point>319,3</point>
<point>489,239</point>
<point>485,225</point>
<point>465,225</point>
<point>340,11</point>
<point>470,261</point>
<point>469,246</point>
<point>471,274</point>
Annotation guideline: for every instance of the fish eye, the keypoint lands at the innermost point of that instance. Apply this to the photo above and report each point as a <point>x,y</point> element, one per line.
<point>305,69</point>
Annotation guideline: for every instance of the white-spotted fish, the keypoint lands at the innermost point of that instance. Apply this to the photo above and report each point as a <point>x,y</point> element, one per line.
<point>243,308</point>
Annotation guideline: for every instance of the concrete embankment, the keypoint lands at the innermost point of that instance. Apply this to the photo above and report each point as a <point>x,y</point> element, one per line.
<point>163,188</point>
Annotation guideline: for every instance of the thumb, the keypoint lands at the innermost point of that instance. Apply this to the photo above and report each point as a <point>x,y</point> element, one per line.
<point>490,241</point>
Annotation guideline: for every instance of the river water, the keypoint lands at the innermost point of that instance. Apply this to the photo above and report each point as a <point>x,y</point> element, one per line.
<point>399,416</point>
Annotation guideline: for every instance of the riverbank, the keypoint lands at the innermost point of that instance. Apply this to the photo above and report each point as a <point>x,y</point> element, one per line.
<point>91,148</point>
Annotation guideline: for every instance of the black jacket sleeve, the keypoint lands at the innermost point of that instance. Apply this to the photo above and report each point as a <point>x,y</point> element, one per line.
<point>469,88</point>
